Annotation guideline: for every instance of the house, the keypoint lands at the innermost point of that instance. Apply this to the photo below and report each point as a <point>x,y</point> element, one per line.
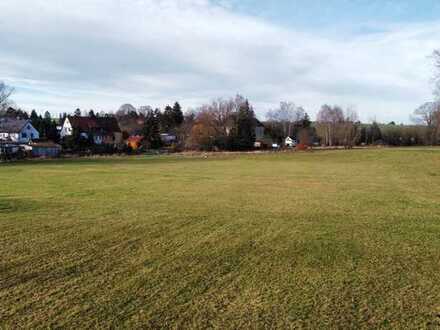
<point>17,130</point>
<point>290,142</point>
<point>45,149</point>
<point>263,143</point>
<point>103,130</point>
<point>261,140</point>
<point>259,130</point>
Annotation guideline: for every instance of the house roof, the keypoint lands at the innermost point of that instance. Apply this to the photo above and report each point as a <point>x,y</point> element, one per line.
<point>258,123</point>
<point>104,125</point>
<point>9,125</point>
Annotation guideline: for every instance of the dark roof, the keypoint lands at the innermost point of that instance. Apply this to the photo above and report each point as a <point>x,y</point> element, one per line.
<point>258,123</point>
<point>9,125</point>
<point>104,125</point>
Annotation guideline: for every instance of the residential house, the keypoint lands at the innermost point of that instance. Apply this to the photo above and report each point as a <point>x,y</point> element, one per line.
<point>259,130</point>
<point>17,130</point>
<point>290,142</point>
<point>261,140</point>
<point>104,130</point>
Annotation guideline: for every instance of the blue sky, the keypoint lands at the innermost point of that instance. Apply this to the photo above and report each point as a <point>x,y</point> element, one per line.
<point>316,14</point>
<point>98,54</point>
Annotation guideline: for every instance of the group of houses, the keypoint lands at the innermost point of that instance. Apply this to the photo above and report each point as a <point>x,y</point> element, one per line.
<point>20,136</point>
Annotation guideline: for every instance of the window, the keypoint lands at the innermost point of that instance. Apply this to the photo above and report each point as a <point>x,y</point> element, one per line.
<point>24,135</point>
<point>29,127</point>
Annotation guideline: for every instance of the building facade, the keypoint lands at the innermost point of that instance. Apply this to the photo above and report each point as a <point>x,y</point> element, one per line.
<point>17,130</point>
<point>104,130</point>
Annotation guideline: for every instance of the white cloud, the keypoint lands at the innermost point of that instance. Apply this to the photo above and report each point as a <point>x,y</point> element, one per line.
<point>102,53</point>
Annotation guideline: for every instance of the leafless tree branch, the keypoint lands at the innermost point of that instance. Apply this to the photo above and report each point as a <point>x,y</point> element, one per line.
<point>5,93</point>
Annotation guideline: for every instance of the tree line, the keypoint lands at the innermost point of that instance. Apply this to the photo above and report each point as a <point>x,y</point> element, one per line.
<point>231,124</point>
<point>224,124</point>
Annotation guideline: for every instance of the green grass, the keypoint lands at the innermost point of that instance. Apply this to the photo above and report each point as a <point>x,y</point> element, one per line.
<point>338,239</point>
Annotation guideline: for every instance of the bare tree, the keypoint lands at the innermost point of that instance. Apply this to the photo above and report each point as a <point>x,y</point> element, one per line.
<point>425,114</point>
<point>288,114</point>
<point>203,130</point>
<point>329,120</point>
<point>428,114</point>
<point>222,111</point>
<point>5,93</point>
<point>350,128</point>
<point>145,109</point>
<point>221,114</point>
<point>125,110</point>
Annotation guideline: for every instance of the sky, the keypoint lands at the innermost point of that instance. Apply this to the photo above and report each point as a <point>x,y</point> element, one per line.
<point>371,55</point>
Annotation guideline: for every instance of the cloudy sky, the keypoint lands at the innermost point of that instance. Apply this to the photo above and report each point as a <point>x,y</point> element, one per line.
<point>99,54</point>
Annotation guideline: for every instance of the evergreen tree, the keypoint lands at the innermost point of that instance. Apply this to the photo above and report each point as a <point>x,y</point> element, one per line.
<point>375,133</point>
<point>77,112</point>
<point>151,129</point>
<point>177,115</point>
<point>306,122</point>
<point>45,126</point>
<point>37,122</point>
<point>50,128</point>
<point>71,142</point>
<point>34,116</point>
<point>14,113</point>
<point>244,135</point>
<point>167,119</point>
<point>363,135</point>
<point>172,118</point>
<point>78,142</point>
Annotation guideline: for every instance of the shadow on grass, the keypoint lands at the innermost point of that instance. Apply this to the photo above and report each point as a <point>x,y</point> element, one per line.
<point>10,205</point>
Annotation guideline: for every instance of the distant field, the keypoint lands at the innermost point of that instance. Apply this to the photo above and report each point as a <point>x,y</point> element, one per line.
<point>329,239</point>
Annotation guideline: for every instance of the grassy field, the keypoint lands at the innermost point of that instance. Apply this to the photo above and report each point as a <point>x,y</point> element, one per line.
<point>329,239</point>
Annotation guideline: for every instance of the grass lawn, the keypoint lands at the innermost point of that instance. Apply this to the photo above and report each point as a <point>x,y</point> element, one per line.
<point>329,239</point>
